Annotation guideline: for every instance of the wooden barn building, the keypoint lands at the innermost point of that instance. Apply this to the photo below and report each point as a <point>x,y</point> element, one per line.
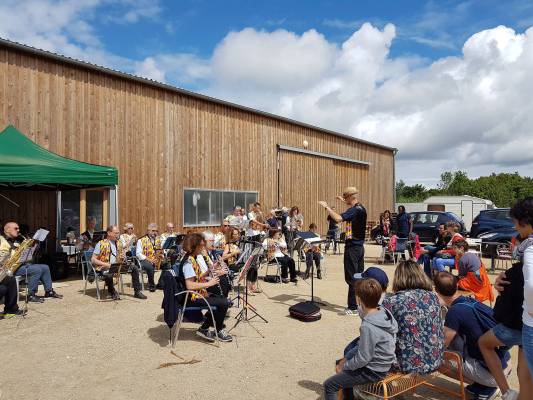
<point>181,156</point>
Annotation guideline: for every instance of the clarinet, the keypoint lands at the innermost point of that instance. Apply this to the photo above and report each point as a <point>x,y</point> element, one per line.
<point>211,272</point>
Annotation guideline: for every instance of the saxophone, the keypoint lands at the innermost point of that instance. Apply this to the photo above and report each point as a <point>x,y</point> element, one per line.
<point>12,264</point>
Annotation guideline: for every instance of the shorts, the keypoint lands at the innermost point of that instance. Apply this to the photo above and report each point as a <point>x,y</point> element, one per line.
<point>509,337</point>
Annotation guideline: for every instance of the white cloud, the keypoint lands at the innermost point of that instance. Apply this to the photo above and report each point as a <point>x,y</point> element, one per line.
<point>467,112</point>
<point>180,69</point>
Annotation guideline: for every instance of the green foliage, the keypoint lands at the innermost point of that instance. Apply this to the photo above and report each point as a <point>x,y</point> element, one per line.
<point>503,189</point>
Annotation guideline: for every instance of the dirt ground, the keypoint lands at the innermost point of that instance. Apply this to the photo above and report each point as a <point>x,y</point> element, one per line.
<point>79,348</point>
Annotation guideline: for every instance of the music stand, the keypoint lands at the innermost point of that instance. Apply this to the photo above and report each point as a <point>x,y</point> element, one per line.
<point>243,275</point>
<point>306,239</point>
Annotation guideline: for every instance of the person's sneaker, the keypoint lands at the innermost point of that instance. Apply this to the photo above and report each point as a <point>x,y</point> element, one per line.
<point>285,280</point>
<point>481,392</point>
<point>115,295</point>
<point>206,334</point>
<point>318,275</point>
<point>510,395</point>
<point>223,336</point>
<point>294,280</point>
<point>139,295</point>
<point>351,311</point>
<point>53,295</point>
<point>35,299</point>
<point>152,288</point>
<point>12,314</point>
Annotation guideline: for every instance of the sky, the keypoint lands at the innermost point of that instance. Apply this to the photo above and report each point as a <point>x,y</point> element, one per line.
<point>448,83</point>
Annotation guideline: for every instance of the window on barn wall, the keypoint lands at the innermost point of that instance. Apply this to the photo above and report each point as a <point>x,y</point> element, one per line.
<point>205,207</point>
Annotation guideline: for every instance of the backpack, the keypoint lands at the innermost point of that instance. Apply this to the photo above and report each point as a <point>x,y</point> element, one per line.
<point>486,322</point>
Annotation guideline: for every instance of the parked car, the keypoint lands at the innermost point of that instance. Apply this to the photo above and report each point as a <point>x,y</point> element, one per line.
<point>489,220</point>
<point>500,235</point>
<point>426,223</point>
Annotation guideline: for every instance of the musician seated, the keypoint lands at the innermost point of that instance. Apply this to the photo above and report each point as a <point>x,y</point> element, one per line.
<point>196,279</point>
<point>87,239</point>
<point>220,238</point>
<point>231,250</point>
<point>169,232</point>
<point>8,290</point>
<point>108,252</point>
<point>313,253</point>
<point>35,272</point>
<point>209,259</point>
<point>149,253</point>
<point>128,237</point>
<point>276,248</point>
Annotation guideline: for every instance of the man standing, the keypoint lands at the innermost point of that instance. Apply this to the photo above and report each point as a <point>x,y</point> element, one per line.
<point>404,223</point>
<point>354,251</point>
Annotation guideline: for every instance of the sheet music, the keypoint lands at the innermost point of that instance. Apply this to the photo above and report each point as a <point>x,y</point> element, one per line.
<point>41,235</point>
<point>27,254</point>
<point>315,240</point>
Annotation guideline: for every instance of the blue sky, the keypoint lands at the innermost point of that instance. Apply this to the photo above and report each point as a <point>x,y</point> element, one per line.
<point>430,29</point>
<point>446,82</point>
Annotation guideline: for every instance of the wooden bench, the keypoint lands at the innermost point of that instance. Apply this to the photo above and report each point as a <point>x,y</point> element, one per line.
<point>397,383</point>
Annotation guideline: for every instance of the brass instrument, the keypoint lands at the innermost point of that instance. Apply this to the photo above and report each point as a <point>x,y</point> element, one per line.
<point>12,264</point>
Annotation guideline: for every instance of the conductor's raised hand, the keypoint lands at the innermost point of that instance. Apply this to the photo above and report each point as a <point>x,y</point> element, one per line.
<point>323,203</point>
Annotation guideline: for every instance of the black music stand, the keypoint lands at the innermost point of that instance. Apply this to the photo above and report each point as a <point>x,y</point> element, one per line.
<point>304,236</point>
<point>243,314</point>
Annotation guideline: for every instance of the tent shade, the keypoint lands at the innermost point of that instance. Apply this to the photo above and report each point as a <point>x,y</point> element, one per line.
<point>24,164</point>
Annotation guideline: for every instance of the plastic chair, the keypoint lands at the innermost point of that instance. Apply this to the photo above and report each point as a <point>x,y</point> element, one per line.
<point>504,256</point>
<point>400,249</point>
<point>175,330</point>
<point>20,280</point>
<point>142,272</point>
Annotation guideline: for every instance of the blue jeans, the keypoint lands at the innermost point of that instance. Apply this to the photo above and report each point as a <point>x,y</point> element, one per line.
<point>527,345</point>
<point>440,263</point>
<point>36,273</point>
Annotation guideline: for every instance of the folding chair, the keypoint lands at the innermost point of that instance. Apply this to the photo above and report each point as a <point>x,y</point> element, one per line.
<point>175,330</point>
<point>21,280</point>
<point>504,256</point>
<point>98,275</point>
<point>273,263</point>
<point>400,249</point>
<point>142,272</point>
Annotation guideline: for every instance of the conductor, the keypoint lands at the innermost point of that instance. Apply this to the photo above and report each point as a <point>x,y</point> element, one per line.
<point>354,251</point>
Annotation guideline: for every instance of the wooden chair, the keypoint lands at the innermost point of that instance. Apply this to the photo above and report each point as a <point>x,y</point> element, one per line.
<point>397,383</point>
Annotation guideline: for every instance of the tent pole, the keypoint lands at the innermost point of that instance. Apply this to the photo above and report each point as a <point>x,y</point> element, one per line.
<point>58,219</point>
<point>116,204</point>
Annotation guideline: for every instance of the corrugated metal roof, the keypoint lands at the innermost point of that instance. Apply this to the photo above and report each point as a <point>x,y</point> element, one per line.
<point>84,64</point>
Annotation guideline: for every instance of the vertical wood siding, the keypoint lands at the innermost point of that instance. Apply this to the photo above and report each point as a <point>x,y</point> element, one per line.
<point>162,141</point>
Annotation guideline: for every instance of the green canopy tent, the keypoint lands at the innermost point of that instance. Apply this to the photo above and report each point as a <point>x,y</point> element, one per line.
<point>24,165</point>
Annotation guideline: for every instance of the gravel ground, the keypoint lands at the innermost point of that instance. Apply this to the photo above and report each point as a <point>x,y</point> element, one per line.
<point>79,348</point>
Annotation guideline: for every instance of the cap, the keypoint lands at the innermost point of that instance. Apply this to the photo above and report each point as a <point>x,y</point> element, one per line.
<point>349,191</point>
<point>375,273</point>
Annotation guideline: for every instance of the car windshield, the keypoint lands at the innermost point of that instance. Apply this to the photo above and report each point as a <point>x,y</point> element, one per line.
<point>499,214</point>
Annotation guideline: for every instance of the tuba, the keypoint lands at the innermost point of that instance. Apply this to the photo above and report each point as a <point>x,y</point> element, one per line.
<point>12,264</point>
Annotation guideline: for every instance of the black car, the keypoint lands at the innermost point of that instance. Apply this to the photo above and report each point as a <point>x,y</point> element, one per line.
<point>425,225</point>
<point>489,220</point>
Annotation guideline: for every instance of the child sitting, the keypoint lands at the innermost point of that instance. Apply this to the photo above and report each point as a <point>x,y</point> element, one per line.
<point>472,273</point>
<point>371,357</point>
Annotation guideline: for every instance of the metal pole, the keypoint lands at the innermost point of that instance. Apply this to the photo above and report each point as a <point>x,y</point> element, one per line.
<point>278,156</point>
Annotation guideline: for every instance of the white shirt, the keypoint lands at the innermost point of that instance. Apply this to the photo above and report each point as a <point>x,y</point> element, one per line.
<point>112,256</point>
<point>281,244</point>
<point>201,262</point>
<point>252,232</point>
<point>527,270</point>
<point>188,269</point>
